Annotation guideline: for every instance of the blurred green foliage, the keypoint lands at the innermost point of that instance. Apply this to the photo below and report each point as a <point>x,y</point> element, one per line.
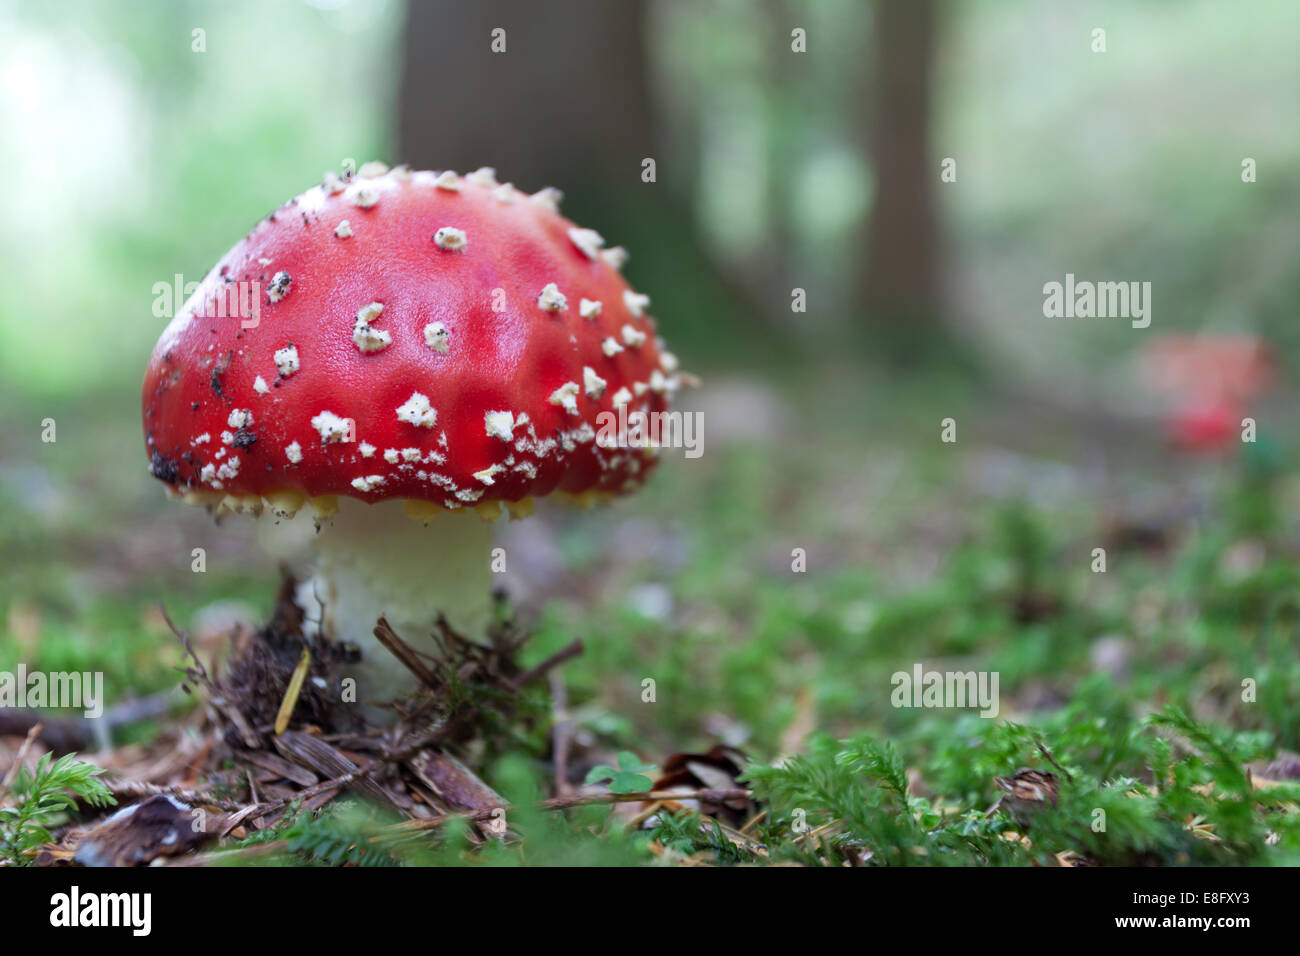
<point>148,158</point>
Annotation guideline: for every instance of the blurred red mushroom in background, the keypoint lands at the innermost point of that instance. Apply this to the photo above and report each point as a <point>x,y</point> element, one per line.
<point>1209,382</point>
<point>1205,425</point>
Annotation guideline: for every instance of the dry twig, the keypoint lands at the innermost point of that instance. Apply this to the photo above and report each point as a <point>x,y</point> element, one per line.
<point>18,761</point>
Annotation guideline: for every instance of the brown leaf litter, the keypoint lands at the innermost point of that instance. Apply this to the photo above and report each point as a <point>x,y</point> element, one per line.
<point>272,738</point>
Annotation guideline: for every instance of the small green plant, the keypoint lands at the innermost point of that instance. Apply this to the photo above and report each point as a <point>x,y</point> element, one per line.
<point>346,835</point>
<point>689,833</point>
<point>629,777</point>
<point>1128,791</point>
<point>44,799</point>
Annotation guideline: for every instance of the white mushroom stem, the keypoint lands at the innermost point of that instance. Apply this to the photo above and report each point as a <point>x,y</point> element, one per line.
<point>372,560</point>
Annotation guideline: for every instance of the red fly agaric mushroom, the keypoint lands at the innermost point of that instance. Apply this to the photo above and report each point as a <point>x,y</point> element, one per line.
<point>423,345</point>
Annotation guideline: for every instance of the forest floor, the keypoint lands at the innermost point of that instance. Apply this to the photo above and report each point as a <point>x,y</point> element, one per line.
<point>743,621</point>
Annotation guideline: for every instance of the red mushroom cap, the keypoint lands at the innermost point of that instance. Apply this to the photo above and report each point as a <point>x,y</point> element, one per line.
<point>1201,425</point>
<point>1233,367</point>
<point>438,339</point>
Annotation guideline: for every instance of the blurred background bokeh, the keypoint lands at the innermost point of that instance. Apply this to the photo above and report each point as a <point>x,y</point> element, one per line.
<point>137,149</point>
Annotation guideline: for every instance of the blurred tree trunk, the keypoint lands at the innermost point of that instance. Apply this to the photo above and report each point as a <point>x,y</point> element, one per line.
<point>900,284</point>
<point>566,104</point>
